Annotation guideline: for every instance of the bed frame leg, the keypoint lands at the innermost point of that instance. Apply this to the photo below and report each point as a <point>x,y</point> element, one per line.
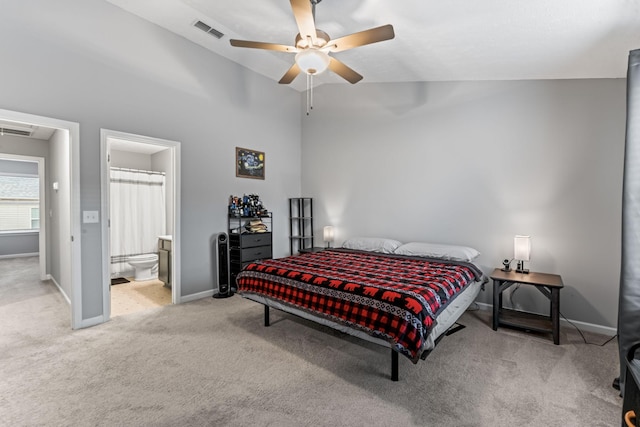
<point>266,315</point>
<point>394,365</point>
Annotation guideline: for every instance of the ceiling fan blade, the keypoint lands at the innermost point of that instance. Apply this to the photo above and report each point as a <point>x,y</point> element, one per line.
<point>362,38</point>
<point>291,74</point>
<point>303,12</point>
<point>262,45</point>
<point>343,71</point>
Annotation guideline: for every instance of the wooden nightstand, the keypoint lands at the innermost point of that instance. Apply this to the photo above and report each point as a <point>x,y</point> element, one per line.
<point>548,284</point>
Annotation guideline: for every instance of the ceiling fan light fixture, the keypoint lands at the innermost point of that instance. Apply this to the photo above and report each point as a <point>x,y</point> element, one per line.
<point>313,46</point>
<point>312,61</point>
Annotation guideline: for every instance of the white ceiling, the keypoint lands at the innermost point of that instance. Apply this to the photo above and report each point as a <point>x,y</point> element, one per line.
<point>436,40</point>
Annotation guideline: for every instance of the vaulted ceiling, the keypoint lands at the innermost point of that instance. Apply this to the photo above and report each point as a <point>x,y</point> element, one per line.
<point>435,40</point>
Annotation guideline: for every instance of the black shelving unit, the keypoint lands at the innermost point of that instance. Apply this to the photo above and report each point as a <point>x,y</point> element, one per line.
<point>245,246</point>
<point>300,224</point>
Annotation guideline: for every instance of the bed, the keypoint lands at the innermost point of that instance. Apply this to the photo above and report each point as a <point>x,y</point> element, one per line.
<point>397,296</point>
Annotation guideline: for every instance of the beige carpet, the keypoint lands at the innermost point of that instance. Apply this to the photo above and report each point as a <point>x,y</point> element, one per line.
<point>127,298</point>
<point>211,363</point>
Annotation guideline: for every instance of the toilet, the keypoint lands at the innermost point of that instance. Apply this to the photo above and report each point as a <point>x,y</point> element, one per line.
<point>146,266</point>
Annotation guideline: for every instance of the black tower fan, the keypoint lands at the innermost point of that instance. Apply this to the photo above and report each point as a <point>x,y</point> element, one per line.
<point>222,257</point>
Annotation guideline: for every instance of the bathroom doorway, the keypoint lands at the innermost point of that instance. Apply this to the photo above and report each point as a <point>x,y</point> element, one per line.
<point>140,191</point>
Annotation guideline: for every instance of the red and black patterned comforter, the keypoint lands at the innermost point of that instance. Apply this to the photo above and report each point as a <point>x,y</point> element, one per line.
<point>392,297</point>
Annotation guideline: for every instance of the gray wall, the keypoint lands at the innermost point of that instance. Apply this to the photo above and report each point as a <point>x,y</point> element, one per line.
<point>58,219</point>
<point>126,159</point>
<point>108,69</point>
<point>161,161</point>
<point>18,167</point>
<point>24,146</point>
<point>475,163</point>
<point>18,244</point>
<point>25,242</point>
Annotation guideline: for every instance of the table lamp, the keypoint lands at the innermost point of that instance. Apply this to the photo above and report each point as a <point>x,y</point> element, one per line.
<point>327,235</point>
<point>521,252</point>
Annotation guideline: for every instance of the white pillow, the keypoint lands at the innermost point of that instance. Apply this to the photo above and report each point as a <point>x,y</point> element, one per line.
<point>372,244</point>
<point>434,250</point>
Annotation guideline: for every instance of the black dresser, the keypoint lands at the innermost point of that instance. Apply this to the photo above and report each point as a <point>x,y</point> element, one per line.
<point>246,246</point>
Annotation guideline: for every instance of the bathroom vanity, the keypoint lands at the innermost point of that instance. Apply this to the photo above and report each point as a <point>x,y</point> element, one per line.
<point>164,259</point>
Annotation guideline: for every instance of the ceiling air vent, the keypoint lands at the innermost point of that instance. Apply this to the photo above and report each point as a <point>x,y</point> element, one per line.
<point>14,132</point>
<point>16,129</point>
<point>207,29</point>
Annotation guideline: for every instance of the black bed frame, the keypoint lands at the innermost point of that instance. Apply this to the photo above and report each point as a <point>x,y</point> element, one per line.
<point>394,354</point>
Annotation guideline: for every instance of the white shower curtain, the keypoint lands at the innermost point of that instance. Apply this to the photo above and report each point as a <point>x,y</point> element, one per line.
<point>138,215</point>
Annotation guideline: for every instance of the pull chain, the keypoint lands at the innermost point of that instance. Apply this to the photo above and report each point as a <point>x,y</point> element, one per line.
<point>309,93</point>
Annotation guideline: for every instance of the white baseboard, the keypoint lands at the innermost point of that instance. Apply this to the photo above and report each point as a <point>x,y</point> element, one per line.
<point>583,326</point>
<point>66,297</point>
<point>84,323</point>
<point>19,255</point>
<point>194,297</point>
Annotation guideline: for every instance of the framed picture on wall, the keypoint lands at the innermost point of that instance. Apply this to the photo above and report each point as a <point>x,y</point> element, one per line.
<point>249,163</point>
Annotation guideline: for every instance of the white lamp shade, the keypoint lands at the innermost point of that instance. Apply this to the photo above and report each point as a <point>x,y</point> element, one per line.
<point>327,234</point>
<point>522,247</point>
<point>312,61</point>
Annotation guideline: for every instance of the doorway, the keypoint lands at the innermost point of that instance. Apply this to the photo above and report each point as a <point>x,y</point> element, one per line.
<point>64,233</point>
<point>27,214</point>
<point>136,154</point>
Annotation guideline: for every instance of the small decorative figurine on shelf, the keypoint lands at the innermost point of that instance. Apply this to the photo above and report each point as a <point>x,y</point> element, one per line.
<point>247,206</point>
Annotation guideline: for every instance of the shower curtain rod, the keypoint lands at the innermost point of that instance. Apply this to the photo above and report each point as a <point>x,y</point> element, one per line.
<point>138,170</point>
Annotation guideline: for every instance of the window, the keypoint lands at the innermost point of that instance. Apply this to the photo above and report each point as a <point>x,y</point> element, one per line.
<point>35,218</point>
<point>19,202</point>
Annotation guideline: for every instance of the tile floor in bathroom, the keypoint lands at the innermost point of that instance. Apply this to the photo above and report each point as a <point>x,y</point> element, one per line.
<point>132,297</point>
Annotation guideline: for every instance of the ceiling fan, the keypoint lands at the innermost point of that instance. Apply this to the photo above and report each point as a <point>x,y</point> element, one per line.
<point>312,46</point>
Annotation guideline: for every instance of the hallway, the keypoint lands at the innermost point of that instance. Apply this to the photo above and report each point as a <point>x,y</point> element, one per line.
<point>26,303</point>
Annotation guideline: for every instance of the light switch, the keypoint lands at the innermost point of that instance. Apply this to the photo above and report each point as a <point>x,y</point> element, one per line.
<point>90,217</point>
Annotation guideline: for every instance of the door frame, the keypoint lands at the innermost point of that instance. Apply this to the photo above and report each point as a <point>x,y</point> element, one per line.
<point>174,147</point>
<point>74,268</point>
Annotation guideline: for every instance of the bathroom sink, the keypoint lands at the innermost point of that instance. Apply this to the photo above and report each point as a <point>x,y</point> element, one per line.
<point>167,237</point>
